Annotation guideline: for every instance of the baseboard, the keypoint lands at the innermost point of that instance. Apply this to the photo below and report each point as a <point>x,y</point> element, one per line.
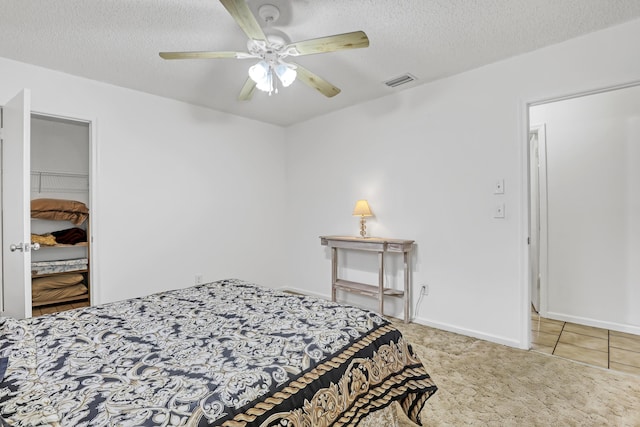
<point>369,307</point>
<point>426,322</point>
<point>613,326</point>
<point>304,292</point>
<point>470,333</point>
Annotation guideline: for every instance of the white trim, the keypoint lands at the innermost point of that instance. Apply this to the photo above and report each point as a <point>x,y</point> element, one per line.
<point>556,98</point>
<point>469,332</point>
<point>614,326</point>
<point>426,322</point>
<point>543,216</point>
<point>95,212</point>
<point>525,282</point>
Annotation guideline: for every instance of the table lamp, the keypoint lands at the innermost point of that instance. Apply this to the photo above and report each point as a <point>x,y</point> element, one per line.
<point>362,210</point>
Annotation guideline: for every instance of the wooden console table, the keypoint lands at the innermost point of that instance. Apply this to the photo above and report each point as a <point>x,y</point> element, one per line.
<point>371,244</point>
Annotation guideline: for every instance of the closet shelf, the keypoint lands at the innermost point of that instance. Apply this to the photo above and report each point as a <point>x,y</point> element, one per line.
<point>37,276</point>
<point>81,297</point>
<point>52,182</point>
<point>62,245</point>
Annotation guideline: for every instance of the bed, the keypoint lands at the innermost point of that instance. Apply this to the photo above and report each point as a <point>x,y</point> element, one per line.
<point>228,353</point>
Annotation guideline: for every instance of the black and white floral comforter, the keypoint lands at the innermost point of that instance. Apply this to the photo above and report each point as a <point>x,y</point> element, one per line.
<point>227,353</point>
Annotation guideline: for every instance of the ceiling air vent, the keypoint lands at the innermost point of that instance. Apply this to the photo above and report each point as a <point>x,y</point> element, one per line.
<point>398,81</point>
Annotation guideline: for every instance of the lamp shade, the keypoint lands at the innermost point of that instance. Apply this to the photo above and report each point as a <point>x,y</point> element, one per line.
<point>259,71</point>
<point>362,208</point>
<point>262,73</point>
<point>286,74</point>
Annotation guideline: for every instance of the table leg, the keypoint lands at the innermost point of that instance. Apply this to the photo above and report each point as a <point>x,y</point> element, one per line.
<point>381,282</point>
<point>334,272</point>
<point>407,298</point>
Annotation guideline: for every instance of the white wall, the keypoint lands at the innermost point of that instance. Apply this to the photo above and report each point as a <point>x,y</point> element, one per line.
<point>59,146</point>
<point>181,190</point>
<point>593,199</point>
<point>427,159</point>
<point>175,181</point>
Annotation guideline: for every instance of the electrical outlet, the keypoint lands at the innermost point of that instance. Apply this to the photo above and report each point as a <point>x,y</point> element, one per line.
<point>198,279</point>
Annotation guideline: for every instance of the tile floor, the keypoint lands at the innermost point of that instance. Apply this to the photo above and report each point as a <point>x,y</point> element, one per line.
<point>599,347</point>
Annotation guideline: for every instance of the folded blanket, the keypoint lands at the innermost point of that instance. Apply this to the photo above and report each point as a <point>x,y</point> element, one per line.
<point>55,282</point>
<point>47,267</point>
<point>70,236</point>
<point>43,239</point>
<point>54,294</point>
<point>59,210</point>
<point>75,261</point>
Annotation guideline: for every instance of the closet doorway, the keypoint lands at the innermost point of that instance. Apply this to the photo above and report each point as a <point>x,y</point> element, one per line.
<point>61,270</point>
<point>47,198</point>
<point>589,208</point>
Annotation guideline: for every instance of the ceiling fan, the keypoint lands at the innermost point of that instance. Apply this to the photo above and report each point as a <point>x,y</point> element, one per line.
<point>272,49</point>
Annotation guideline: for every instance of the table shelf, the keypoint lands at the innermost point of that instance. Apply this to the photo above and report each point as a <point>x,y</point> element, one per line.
<point>364,289</point>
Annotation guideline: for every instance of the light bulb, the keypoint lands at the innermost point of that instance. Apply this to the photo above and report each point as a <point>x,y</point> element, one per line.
<point>266,84</point>
<point>286,74</point>
<point>258,72</point>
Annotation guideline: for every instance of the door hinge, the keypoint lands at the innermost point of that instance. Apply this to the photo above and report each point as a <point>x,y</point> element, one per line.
<point>528,240</point>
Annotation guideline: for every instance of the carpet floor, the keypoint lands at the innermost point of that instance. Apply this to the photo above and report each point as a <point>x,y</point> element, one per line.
<point>483,383</point>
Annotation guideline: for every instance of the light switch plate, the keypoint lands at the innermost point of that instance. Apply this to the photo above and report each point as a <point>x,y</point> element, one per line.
<point>499,211</point>
<point>499,187</point>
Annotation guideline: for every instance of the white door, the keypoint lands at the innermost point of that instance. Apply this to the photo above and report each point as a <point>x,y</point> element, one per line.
<point>16,225</point>
<point>534,222</point>
<point>538,222</point>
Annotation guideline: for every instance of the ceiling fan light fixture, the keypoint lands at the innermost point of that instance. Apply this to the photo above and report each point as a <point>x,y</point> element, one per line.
<point>262,73</point>
<point>266,84</point>
<point>259,71</point>
<point>286,73</point>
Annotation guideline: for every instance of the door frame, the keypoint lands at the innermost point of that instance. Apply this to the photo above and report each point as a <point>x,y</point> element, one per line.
<point>91,121</point>
<point>523,148</point>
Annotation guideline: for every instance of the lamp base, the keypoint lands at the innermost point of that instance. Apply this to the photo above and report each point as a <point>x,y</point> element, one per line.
<point>363,227</point>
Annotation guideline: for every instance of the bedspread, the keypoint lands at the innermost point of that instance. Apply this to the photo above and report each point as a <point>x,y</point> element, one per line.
<point>227,353</point>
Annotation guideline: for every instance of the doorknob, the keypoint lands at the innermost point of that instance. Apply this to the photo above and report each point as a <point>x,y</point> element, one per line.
<point>24,247</point>
<point>18,247</point>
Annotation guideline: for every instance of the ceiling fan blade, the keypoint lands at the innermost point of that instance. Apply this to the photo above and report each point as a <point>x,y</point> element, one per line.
<point>245,19</point>
<point>206,55</point>
<point>246,93</point>
<point>354,40</point>
<point>316,82</point>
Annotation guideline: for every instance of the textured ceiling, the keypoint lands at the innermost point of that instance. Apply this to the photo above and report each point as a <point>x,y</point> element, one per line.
<point>117,41</point>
